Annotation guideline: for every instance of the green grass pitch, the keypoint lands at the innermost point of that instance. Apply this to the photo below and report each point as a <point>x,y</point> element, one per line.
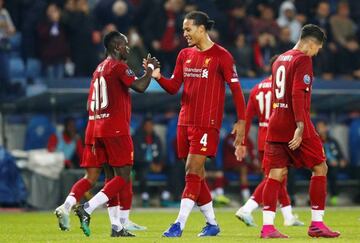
<point>42,227</point>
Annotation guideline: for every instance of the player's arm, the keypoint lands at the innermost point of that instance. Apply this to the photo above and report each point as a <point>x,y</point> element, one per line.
<point>231,78</point>
<point>173,84</point>
<point>141,84</point>
<point>303,69</point>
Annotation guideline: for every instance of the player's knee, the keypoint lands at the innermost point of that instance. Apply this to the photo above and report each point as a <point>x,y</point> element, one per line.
<point>320,170</point>
<point>278,174</point>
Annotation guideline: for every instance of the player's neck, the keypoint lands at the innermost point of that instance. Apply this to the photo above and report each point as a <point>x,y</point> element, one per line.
<point>301,47</point>
<point>205,44</point>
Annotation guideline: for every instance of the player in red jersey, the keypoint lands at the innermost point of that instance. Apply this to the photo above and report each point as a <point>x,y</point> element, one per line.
<point>204,68</point>
<point>259,105</point>
<point>93,169</point>
<point>291,137</point>
<point>111,107</point>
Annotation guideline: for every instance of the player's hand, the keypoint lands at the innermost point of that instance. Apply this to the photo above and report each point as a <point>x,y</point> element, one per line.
<point>240,152</point>
<point>156,73</point>
<point>239,131</point>
<point>153,61</point>
<point>297,139</point>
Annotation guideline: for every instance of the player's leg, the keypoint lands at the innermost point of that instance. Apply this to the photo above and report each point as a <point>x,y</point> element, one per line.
<point>205,204</point>
<point>285,204</point>
<point>276,158</point>
<point>313,156</point>
<point>126,196</point>
<point>119,153</point>
<point>77,192</point>
<point>317,193</point>
<point>244,213</point>
<point>194,169</point>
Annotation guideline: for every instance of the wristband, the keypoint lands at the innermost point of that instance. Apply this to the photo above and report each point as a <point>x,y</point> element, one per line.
<point>151,66</point>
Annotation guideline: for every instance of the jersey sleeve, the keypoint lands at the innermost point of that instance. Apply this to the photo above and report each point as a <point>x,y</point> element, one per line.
<point>125,74</point>
<point>303,73</point>
<point>230,76</point>
<point>173,84</point>
<point>302,81</point>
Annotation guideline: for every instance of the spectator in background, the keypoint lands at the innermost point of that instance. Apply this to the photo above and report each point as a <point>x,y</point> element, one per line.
<point>242,167</point>
<point>284,42</point>
<point>79,26</point>
<point>334,158</point>
<point>165,38</point>
<point>264,49</point>
<point>237,23</point>
<point>148,156</point>
<point>117,12</point>
<point>265,23</point>
<point>69,143</point>
<point>343,31</point>
<point>243,56</point>
<point>324,62</point>
<point>54,49</point>
<point>7,29</point>
<point>287,17</point>
<point>137,51</point>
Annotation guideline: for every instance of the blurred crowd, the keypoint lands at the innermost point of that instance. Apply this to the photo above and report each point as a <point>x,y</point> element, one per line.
<point>65,36</point>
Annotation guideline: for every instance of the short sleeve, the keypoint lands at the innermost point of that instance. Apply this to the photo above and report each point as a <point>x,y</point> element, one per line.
<point>229,69</point>
<point>303,75</point>
<point>126,75</point>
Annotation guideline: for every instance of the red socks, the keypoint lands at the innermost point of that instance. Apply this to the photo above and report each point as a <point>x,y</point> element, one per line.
<point>192,187</point>
<point>79,188</point>
<point>258,193</point>
<point>204,195</point>
<point>317,192</point>
<point>284,198</point>
<point>114,186</point>
<point>270,194</point>
<point>126,196</point>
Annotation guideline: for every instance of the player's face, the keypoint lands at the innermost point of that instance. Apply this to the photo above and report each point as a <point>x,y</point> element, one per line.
<point>191,32</point>
<point>124,48</point>
<point>315,47</point>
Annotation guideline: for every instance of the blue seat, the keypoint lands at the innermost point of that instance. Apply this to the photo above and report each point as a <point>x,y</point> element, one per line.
<point>17,68</point>
<point>170,138</point>
<point>33,68</point>
<point>354,142</point>
<point>156,177</point>
<point>38,131</point>
<point>135,123</point>
<point>234,176</point>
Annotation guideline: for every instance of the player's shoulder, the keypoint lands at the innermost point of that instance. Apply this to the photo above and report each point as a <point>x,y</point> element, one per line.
<point>222,51</point>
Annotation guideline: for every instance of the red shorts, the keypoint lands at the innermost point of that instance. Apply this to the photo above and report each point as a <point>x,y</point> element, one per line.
<point>264,166</point>
<point>117,151</point>
<point>197,140</point>
<point>90,160</point>
<point>309,154</point>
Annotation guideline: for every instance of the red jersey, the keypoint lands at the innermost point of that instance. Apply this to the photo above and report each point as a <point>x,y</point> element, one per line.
<point>259,105</point>
<point>110,99</point>
<point>204,74</point>
<point>292,80</point>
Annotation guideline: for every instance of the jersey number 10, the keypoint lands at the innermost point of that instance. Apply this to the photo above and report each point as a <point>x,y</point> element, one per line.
<point>99,95</point>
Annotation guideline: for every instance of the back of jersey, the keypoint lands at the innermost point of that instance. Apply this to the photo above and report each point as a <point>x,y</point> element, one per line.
<point>111,101</point>
<point>282,122</point>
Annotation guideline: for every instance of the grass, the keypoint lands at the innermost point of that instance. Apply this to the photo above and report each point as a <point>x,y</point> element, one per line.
<point>42,227</point>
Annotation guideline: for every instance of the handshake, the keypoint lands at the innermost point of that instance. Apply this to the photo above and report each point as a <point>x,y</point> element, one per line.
<point>154,64</point>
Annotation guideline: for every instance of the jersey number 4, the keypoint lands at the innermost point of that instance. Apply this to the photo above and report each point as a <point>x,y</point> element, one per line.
<point>203,140</point>
<point>99,99</point>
